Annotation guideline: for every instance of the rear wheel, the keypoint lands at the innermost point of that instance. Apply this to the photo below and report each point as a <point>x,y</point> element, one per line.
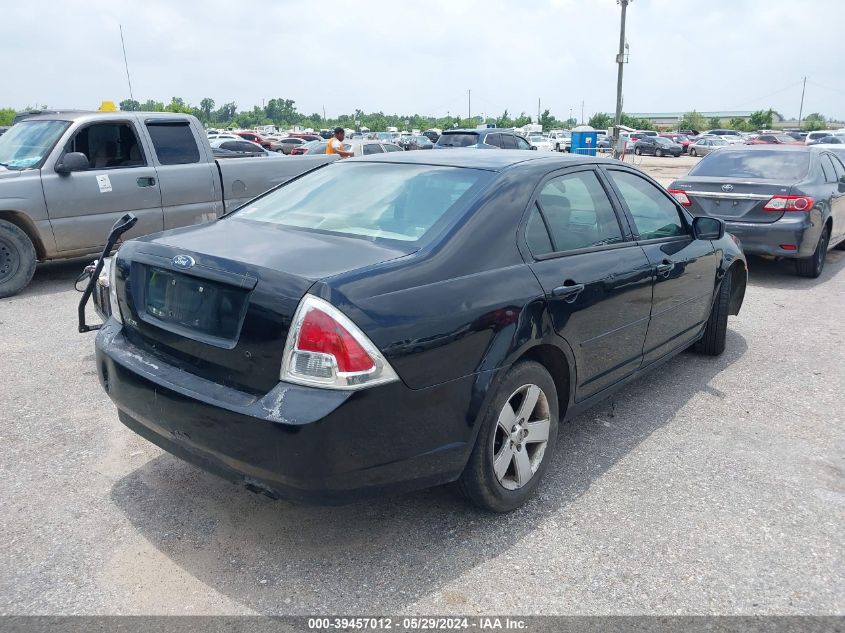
<point>658,153</point>
<point>515,442</point>
<point>637,151</point>
<point>17,259</point>
<point>813,265</point>
<point>557,147</point>
<point>692,153</point>
<point>716,330</point>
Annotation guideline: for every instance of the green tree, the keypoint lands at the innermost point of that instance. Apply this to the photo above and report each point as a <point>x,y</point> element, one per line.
<point>761,119</point>
<point>739,124</point>
<point>714,122</point>
<point>504,120</point>
<point>600,121</point>
<point>692,121</point>
<point>206,107</point>
<point>547,121</point>
<point>522,119</point>
<point>7,116</point>
<point>129,105</point>
<point>814,121</point>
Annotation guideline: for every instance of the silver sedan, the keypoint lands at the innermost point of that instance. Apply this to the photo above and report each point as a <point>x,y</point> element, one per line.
<point>704,146</point>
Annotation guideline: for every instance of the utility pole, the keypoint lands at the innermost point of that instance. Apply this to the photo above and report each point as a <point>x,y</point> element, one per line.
<point>538,110</point>
<point>620,60</point>
<point>801,109</point>
<point>469,105</point>
<point>125,63</point>
<point>582,113</point>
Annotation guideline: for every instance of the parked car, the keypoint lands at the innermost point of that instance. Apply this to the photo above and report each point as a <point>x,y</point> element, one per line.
<point>433,134</point>
<point>230,137</point>
<point>315,147</point>
<point>828,140</point>
<point>786,201</point>
<point>540,142</point>
<point>731,136</point>
<point>561,140</point>
<point>285,145</point>
<point>423,142</point>
<point>818,134</point>
<point>254,137</point>
<point>689,133</point>
<point>704,146</point>
<point>366,147</point>
<point>65,179</point>
<point>772,139</point>
<point>403,322</point>
<point>240,146</point>
<point>4,129</point>
<point>642,133</point>
<point>384,137</point>
<point>681,139</point>
<point>484,138</point>
<point>657,146</point>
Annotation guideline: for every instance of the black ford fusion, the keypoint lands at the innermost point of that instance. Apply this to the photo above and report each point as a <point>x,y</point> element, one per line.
<point>782,201</point>
<point>398,321</point>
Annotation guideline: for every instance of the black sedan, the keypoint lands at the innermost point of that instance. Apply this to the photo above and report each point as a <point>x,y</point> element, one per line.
<point>657,146</point>
<point>781,200</point>
<point>405,320</point>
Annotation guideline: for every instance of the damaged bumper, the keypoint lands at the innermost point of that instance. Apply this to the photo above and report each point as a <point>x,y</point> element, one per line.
<point>301,443</point>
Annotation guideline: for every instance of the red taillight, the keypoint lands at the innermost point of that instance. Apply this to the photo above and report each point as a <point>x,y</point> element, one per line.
<point>321,334</point>
<point>789,247</point>
<point>681,196</point>
<point>789,203</point>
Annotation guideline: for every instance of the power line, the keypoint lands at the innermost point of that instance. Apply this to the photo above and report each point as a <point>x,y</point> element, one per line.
<point>771,94</point>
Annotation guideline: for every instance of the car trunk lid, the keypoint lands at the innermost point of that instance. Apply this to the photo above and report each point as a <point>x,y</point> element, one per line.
<point>226,316</point>
<point>732,200</point>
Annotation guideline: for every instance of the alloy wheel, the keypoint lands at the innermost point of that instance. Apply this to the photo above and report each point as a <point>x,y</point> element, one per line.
<point>521,437</point>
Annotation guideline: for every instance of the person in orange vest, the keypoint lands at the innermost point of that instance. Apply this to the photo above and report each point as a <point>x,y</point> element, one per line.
<point>335,145</point>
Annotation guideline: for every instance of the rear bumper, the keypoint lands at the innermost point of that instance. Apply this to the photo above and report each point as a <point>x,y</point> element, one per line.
<point>759,238</point>
<point>300,443</point>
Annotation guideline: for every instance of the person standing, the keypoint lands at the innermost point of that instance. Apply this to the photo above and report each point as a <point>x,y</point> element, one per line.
<point>335,145</point>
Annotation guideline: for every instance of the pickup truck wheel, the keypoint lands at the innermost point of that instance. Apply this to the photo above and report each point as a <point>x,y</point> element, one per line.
<point>716,330</point>
<point>17,259</point>
<point>515,442</point>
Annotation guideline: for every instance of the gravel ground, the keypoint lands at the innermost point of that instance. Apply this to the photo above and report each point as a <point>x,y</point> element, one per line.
<point>710,486</point>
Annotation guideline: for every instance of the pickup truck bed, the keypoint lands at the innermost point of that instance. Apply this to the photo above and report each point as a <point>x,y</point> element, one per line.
<point>66,177</point>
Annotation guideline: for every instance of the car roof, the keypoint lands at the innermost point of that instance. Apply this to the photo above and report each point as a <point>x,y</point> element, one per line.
<point>487,159</point>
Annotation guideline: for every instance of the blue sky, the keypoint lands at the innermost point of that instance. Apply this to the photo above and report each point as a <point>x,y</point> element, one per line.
<point>421,57</point>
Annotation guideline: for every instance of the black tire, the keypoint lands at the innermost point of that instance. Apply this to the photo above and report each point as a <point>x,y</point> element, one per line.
<point>479,482</point>
<point>813,265</point>
<point>716,330</point>
<point>557,147</point>
<point>658,153</point>
<point>17,259</point>
<point>692,153</point>
<point>840,246</point>
<point>638,151</point>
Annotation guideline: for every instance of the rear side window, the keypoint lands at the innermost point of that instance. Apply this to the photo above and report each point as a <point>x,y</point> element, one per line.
<point>174,144</point>
<point>577,212</point>
<point>837,167</point>
<point>776,164</point>
<point>654,214</point>
<point>521,143</point>
<point>372,148</point>
<point>827,168</point>
<point>494,140</point>
<point>509,141</point>
<point>458,139</point>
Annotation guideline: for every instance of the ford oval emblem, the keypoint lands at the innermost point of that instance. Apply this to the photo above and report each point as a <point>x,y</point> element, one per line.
<point>183,261</point>
<point>727,187</point>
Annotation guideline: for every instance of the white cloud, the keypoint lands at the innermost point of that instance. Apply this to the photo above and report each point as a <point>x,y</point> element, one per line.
<point>401,56</point>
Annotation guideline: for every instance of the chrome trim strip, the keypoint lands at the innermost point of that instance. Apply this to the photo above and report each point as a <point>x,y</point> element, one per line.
<point>728,196</point>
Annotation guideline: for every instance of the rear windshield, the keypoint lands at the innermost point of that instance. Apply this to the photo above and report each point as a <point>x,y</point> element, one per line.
<point>765,164</point>
<point>457,139</point>
<point>390,201</point>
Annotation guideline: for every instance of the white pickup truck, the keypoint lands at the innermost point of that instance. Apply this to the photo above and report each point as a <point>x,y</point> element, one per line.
<point>66,177</point>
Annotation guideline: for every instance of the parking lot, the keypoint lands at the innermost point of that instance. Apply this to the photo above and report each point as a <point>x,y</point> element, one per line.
<point>713,485</point>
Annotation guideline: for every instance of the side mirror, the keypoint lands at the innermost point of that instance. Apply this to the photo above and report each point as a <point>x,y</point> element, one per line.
<point>74,161</point>
<point>706,228</point>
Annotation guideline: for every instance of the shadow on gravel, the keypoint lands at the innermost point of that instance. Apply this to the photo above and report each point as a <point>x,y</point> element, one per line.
<point>380,556</point>
<point>781,274</point>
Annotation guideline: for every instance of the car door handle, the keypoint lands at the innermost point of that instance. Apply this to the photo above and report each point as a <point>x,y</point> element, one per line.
<point>664,268</point>
<point>568,292</point>
<point>146,181</point>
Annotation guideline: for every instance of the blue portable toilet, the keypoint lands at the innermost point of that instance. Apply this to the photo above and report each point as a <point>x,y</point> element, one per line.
<point>584,139</point>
